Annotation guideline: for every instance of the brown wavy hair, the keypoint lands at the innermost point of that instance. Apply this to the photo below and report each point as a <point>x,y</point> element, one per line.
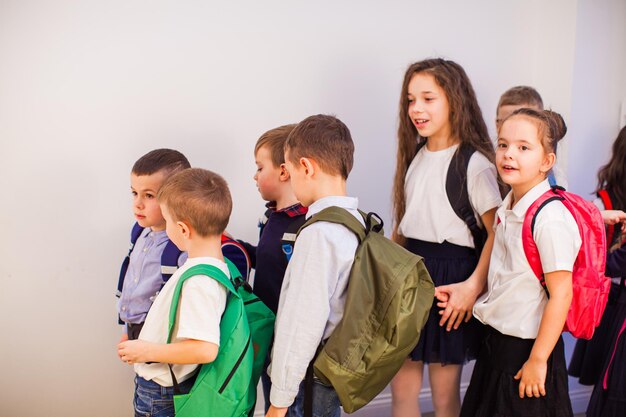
<point>466,123</point>
<point>612,176</point>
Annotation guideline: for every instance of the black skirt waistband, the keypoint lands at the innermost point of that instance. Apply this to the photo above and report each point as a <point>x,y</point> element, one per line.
<point>444,249</point>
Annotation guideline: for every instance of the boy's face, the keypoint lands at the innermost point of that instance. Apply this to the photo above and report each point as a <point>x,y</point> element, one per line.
<point>173,230</point>
<point>299,181</point>
<point>267,175</point>
<point>145,206</point>
<point>505,111</point>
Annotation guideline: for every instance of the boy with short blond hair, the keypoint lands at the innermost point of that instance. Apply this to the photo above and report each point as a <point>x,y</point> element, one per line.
<point>318,157</point>
<point>196,205</point>
<point>279,224</point>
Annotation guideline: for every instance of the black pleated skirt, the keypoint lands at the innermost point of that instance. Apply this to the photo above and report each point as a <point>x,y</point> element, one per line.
<point>446,263</point>
<point>493,392</point>
<point>611,401</point>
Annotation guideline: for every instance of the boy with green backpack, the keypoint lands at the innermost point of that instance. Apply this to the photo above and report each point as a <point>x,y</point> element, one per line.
<point>202,346</point>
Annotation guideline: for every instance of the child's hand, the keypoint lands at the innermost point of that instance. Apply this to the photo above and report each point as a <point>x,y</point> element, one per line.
<point>613,216</point>
<point>133,351</point>
<point>276,411</point>
<point>532,378</point>
<point>456,302</point>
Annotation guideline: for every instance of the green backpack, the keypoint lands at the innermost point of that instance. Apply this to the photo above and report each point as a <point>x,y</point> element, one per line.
<point>227,386</point>
<point>388,299</point>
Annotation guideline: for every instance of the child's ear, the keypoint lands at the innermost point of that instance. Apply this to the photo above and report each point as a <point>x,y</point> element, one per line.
<point>184,229</point>
<point>284,174</point>
<point>548,163</point>
<point>309,166</point>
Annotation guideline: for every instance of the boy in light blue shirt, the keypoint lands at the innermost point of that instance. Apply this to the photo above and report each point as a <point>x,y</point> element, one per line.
<point>142,277</point>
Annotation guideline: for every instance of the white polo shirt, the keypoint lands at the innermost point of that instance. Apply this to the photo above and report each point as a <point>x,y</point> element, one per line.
<point>429,215</point>
<point>200,308</point>
<point>515,300</point>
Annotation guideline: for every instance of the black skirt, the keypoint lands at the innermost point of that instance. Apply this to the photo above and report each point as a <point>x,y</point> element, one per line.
<point>589,355</point>
<point>611,401</point>
<point>493,392</point>
<point>446,263</point>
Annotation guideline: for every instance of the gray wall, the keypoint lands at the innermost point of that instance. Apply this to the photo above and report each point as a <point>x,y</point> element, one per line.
<point>87,87</point>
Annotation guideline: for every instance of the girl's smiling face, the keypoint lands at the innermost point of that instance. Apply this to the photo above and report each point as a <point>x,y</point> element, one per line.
<point>428,106</point>
<point>521,159</point>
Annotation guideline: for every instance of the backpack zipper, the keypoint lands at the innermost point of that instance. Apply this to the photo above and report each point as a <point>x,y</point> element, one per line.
<point>232,372</point>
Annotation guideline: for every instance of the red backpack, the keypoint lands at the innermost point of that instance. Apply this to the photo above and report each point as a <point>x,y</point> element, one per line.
<point>590,285</point>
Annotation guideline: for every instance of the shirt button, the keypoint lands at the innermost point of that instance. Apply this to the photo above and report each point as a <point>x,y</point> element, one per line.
<point>124,308</point>
<point>136,280</point>
<point>145,249</point>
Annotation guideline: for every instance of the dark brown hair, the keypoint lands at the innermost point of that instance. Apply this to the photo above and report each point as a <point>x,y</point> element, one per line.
<point>167,160</point>
<point>550,126</point>
<point>274,141</point>
<point>326,140</point>
<point>520,95</point>
<point>612,176</point>
<point>466,123</point>
<point>199,198</point>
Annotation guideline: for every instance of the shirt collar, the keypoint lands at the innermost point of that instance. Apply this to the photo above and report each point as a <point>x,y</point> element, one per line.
<point>291,211</point>
<point>158,237</point>
<point>524,203</point>
<point>349,203</point>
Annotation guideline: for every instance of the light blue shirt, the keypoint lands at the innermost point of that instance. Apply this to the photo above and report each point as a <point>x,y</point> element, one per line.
<point>143,279</point>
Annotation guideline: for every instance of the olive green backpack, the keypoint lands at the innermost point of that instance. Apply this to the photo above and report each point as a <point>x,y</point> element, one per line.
<point>388,299</point>
<point>227,386</point>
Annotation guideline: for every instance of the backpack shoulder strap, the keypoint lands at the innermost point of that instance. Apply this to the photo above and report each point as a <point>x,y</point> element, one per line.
<point>457,191</point>
<point>342,216</point>
<point>134,236</point>
<point>288,239</point>
<point>237,254</point>
<point>263,220</point>
<point>528,228</point>
<point>203,269</point>
<point>608,205</point>
<point>169,260</point>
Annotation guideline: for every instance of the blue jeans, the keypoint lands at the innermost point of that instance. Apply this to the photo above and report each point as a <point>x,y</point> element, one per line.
<point>153,400</point>
<point>325,401</point>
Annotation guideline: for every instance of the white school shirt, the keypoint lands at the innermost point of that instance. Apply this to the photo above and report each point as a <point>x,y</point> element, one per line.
<point>202,303</point>
<point>312,297</point>
<point>515,300</point>
<point>429,215</point>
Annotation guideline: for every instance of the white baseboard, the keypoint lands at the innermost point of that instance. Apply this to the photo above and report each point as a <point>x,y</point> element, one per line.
<point>381,405</point>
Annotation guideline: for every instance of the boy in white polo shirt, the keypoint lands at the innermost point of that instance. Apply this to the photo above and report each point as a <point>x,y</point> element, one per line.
<point>196,205</point>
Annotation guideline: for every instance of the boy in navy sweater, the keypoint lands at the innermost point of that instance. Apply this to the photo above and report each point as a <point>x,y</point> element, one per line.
<point>279,225</point>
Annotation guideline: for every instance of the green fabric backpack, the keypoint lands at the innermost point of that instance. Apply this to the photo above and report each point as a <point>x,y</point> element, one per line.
<point>388,299</point>
<point>227,386</point>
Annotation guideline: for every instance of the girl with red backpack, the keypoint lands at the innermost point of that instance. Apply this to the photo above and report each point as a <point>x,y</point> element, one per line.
<point>520,370</point>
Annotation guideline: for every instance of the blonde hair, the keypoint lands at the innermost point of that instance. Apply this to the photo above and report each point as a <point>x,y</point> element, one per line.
<point>199,198</point>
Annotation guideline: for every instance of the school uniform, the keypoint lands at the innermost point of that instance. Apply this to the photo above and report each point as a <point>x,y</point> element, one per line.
<point>512,308</point>
<point>202,303</point>
<point>436,233</point>
<point>609,395</point>
<point>143,279</point>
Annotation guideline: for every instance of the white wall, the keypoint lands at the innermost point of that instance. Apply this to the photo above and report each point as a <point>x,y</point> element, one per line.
<point>88,87</point>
